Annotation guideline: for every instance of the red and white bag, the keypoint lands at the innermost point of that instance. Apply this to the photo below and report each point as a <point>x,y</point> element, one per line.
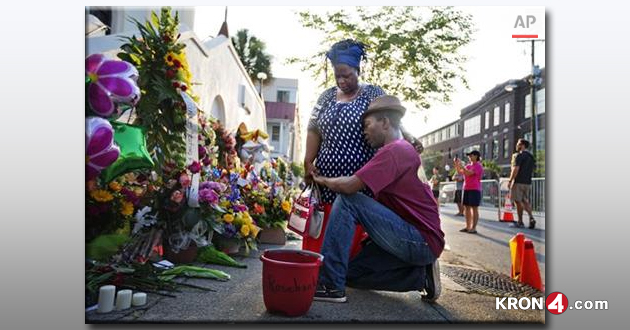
<point>307,214</point>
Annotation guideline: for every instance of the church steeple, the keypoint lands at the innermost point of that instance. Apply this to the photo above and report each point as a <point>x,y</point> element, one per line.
<point>224,26</point>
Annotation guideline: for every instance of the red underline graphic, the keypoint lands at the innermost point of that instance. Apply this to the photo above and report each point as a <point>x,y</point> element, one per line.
<point>524,36</point>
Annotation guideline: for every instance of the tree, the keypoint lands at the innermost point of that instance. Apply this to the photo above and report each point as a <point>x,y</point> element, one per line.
<point>540,164</point>
<point>251,51</point>
<point>430,159</point>
<point>491,167</point>
<point>413,51</point>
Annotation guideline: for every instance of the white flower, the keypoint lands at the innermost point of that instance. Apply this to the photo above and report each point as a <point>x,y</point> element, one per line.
<point>143,219</point>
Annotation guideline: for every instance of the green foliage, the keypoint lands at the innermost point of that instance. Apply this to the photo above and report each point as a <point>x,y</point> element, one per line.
<point>210,255</point>
<point>540,164</point>
<point>297,169</point>
<point>430,159</point>
<point>105,246</point>
<point>251,51</point>
<point>413,52</point>
<point>194,271</point>
<point>490,166</point>
<point>160,109</point>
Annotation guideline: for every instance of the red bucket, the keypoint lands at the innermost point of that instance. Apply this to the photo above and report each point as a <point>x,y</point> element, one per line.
<point>289,279</point>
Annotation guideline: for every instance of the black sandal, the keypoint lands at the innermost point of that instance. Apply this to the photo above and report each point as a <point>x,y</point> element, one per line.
<point>464,230</point>
<point>532,223</point>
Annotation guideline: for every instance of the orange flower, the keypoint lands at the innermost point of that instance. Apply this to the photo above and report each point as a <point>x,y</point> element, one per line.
<point>258,209</point>
<point>115,186</point>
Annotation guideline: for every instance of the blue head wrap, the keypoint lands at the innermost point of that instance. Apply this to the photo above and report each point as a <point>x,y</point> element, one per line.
<point>346,52</point>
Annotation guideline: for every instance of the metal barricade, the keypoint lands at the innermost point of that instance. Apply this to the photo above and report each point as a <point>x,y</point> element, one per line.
<point>536,197</point>
<point>494,192</point>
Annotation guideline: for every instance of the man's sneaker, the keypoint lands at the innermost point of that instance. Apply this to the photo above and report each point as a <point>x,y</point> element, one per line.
<point>433,288</point>
<point>323,293</point>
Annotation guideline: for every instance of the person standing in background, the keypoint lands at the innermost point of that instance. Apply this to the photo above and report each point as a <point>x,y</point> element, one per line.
<point>472,172</point>
<point>459,185</point>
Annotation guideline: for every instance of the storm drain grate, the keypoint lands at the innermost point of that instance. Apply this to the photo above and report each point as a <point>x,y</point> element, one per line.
<point>490,283</point>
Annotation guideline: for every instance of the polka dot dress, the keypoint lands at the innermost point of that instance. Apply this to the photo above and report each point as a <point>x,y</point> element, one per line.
<point>343,149</point>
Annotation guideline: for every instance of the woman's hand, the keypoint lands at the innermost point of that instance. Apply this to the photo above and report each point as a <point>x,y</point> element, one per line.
<point>309,170</point>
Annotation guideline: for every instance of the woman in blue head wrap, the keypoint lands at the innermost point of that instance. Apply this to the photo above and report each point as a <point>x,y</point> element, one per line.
<point>335,145</point>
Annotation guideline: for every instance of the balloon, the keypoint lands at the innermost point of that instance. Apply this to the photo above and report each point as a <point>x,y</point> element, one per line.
<point>100,150</point>
<point>133,151</point>
<point>110,82</point>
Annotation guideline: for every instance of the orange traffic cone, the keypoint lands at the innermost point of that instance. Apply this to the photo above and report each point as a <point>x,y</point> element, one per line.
<point>516,251</point>
<point>530,274</point>
<point>508,214</point>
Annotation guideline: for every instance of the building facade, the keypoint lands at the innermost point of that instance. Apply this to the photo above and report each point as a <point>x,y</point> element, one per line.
<point>492,125</point>
<point>283,120</point>
<point>224,88</point>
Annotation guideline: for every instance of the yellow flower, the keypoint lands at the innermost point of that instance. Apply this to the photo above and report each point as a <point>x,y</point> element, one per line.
<point>245,230</point>
<point>286,207</point>
<point>247,218</point>
<point>115,186</point>
<point>254,230</point>
<point>126,209</point>
<point>139,191</point>
<point>101,195</point>
<point>228,218</point>
<point>238,219</point>
<point>225,204</point>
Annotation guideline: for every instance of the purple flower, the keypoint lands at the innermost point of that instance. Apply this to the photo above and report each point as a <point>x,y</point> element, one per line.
<point>207,161</point>
<point>111,81</point>
<point>202,151</point>
<point>130,196</point>
<point>239,208</point>
<point>229,230</point>
<point>100,149</point>
<point>208,196</point>
<point>195,167</point>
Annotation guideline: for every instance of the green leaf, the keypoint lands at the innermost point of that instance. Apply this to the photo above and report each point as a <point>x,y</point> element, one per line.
<point>105,246</point>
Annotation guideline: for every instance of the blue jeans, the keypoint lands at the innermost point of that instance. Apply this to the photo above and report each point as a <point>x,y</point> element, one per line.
<point>394,260</point>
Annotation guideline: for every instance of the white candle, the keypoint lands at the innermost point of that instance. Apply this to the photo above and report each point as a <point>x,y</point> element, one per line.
<point>106,298</point>
<point>123,299</point>
<point>139,299</point>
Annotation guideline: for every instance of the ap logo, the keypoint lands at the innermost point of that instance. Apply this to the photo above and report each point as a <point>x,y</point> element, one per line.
<point>524,22</point>
<point>527,23</point>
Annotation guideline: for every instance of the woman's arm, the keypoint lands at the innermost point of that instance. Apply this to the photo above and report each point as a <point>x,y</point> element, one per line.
<point>313,140</point>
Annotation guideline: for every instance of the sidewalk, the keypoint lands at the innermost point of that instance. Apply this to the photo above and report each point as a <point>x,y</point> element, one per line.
<point>240,301</point>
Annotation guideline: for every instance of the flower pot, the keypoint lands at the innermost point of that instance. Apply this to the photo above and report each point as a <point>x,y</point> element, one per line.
<point>184,256</point>
<point>274,235</point>
<point>228,245</point>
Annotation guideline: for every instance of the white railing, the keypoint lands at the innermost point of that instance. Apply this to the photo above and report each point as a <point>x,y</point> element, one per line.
<point>490,196</point>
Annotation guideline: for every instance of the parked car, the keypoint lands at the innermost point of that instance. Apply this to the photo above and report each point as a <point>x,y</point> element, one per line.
<point>447,192</point>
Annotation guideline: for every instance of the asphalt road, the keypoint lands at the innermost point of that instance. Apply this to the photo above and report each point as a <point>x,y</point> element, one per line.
<point>489,249</point>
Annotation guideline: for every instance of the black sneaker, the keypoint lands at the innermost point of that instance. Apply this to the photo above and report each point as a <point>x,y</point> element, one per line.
<point>434,285</point>
<point>517,225</point>
<point>323,293</point>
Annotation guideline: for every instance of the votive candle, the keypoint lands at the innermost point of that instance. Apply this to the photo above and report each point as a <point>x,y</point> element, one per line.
<point>139,299</point>
<point>106,295</point>
<point>123,299</point>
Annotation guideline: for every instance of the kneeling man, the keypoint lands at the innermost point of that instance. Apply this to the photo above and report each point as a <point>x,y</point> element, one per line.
<point>402,220</point>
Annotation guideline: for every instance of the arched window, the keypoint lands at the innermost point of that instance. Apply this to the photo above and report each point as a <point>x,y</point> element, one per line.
<point>218,109</point>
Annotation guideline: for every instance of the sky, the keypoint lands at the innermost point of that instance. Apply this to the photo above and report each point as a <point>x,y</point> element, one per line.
<point>494,56</point>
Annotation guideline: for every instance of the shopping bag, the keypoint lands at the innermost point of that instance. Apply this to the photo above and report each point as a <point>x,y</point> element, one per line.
<point>307,213</point>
